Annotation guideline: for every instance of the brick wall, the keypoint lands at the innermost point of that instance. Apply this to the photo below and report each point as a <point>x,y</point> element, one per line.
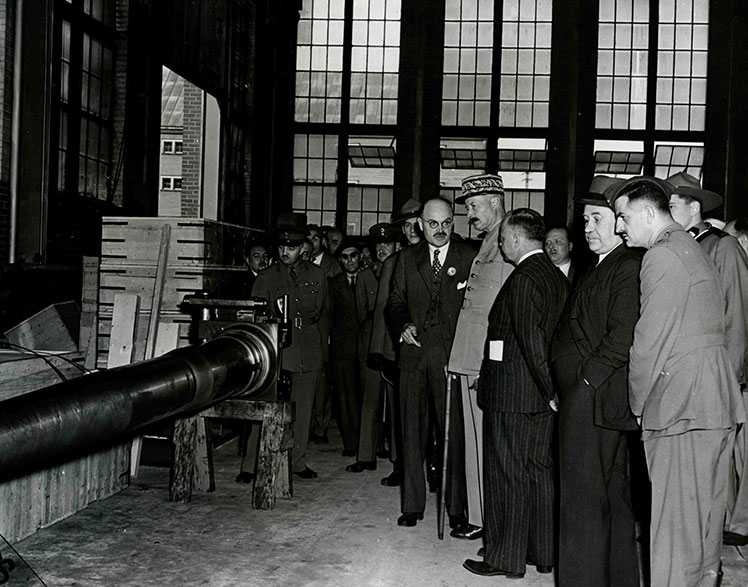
<point>193,150</point>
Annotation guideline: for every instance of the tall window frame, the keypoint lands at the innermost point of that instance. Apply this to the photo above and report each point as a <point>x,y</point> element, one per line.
<point>82,99</point>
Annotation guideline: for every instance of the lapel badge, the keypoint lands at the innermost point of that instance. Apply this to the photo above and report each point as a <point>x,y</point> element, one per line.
<point>451,271</point>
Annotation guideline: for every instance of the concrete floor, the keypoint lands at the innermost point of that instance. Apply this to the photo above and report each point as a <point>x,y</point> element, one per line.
<point>337,530</point>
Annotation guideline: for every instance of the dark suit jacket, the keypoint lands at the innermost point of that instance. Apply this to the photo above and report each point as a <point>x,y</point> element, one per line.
<point>411,296</point>
<point>524,316</point>
<point>595,334</point>
<point>344,323</point>
<point>382,342</point>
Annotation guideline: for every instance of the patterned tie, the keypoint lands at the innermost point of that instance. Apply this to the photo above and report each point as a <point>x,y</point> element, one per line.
<point>436,265</point>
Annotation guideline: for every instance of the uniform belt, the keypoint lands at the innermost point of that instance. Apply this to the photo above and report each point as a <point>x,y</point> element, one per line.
<point>699,341</point>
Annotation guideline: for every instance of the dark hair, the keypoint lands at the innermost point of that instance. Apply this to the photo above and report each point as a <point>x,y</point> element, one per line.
<point>566,230</point>
<point>249,245</point>
<point>528,221</point>
<point>647,191</point>
<point>311,227</point>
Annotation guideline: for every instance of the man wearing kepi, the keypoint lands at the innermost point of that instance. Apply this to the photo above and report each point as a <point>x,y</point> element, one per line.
<point>516,394</point>
<point>427,289</point>
<point>483,198</point>
<point>682,386</point>
<point>590,353</point>
<point>306,287</point>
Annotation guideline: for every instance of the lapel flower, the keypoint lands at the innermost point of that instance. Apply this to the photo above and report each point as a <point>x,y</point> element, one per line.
<point>451,271</point>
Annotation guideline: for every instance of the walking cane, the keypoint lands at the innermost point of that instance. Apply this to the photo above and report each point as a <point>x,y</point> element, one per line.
<point>442,489</point>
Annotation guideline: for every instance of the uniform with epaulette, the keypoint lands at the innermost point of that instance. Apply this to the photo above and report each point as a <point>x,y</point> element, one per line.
<point>732,265</point>
<point>306,287</point>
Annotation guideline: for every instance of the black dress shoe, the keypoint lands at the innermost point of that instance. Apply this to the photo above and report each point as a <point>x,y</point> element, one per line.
<point>481,551</point>
<point>306,474</point>
<point>359,466</point>
<point>319,439</point>
<point>383,454</point>
<point>457,521</point>
<point>410,519</point>
<point>348,452</point>
<point>544,569</point>
<point>245,477</point>
<point>467,532</point>
<point>486,570</point>
<point>391,480</point>
<point>734,539</point>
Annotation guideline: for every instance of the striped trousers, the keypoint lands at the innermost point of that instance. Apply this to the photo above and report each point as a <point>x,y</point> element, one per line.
<point>518,482</point>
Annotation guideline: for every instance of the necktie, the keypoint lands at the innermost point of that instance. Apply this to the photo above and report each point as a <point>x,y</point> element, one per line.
<point>353,283</point>
<point>436,265</point>
<point>292,271</point>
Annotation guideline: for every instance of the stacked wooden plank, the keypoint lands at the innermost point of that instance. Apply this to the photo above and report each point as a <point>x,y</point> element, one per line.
<point>203,255</point>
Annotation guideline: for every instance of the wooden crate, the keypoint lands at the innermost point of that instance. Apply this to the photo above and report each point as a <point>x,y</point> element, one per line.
<point>55,328</point>
<point>194,241</point>
<point>180,281</point>
<point>141,329</point>
<point>23,372</point>
<point>38,498</point>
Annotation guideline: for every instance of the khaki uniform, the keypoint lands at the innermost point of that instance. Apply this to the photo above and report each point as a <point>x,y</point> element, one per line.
<point>487,274</point>
<point>308,311</point>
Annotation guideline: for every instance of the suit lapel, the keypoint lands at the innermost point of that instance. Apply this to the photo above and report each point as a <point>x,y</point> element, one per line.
<point>423,263</point>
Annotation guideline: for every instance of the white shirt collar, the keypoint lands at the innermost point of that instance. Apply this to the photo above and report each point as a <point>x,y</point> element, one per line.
<point>564,267</point>
<point>528,253</point>
<point>443,250</point>
<point>601,257</point>
<point>318,259</point>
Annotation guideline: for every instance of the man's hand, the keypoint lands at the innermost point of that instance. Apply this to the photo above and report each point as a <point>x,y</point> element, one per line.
<point>410,335</point>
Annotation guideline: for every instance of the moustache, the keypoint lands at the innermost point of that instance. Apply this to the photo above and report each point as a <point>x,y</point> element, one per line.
<point>440,234</point>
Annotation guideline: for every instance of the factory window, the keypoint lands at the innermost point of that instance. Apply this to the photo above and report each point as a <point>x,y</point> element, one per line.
<point>651,87</point>
<point>375,60</point>
<point>82,113</point>
<point>169,147</point>
<point>525,63</point>
<point>315,171</point>
<point>371,167</point>
<point>171,183</point>
<point>468,58</point>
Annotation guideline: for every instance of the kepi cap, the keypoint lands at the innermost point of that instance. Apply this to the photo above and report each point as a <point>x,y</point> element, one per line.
<point>480,185</point>
<point>685,184</point>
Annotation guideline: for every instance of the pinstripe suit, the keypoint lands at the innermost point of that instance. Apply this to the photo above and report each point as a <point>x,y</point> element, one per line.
<point>514,393</point>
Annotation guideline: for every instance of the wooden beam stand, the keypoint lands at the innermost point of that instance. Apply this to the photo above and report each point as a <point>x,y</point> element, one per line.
<point>193,460</point>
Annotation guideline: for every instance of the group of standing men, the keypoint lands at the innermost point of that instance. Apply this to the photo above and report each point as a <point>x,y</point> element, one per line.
<point>652,337</point>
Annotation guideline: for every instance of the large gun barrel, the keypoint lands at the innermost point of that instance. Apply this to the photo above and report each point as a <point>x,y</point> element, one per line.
<point>88,412</point>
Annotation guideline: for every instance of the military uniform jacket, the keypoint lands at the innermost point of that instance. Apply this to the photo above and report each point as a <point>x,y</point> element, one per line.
<point>307,310</point>
<point>732,263</point>
<point>524,318</point>
<point>410,299</point>
<point>594,337</point>
<point>680,375</point>
<point>488,273</point>
<point>381,341</point>
<point>367,285</point>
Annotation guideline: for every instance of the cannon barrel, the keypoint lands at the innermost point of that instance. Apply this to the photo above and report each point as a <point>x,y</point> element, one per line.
<point>88,412</point>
